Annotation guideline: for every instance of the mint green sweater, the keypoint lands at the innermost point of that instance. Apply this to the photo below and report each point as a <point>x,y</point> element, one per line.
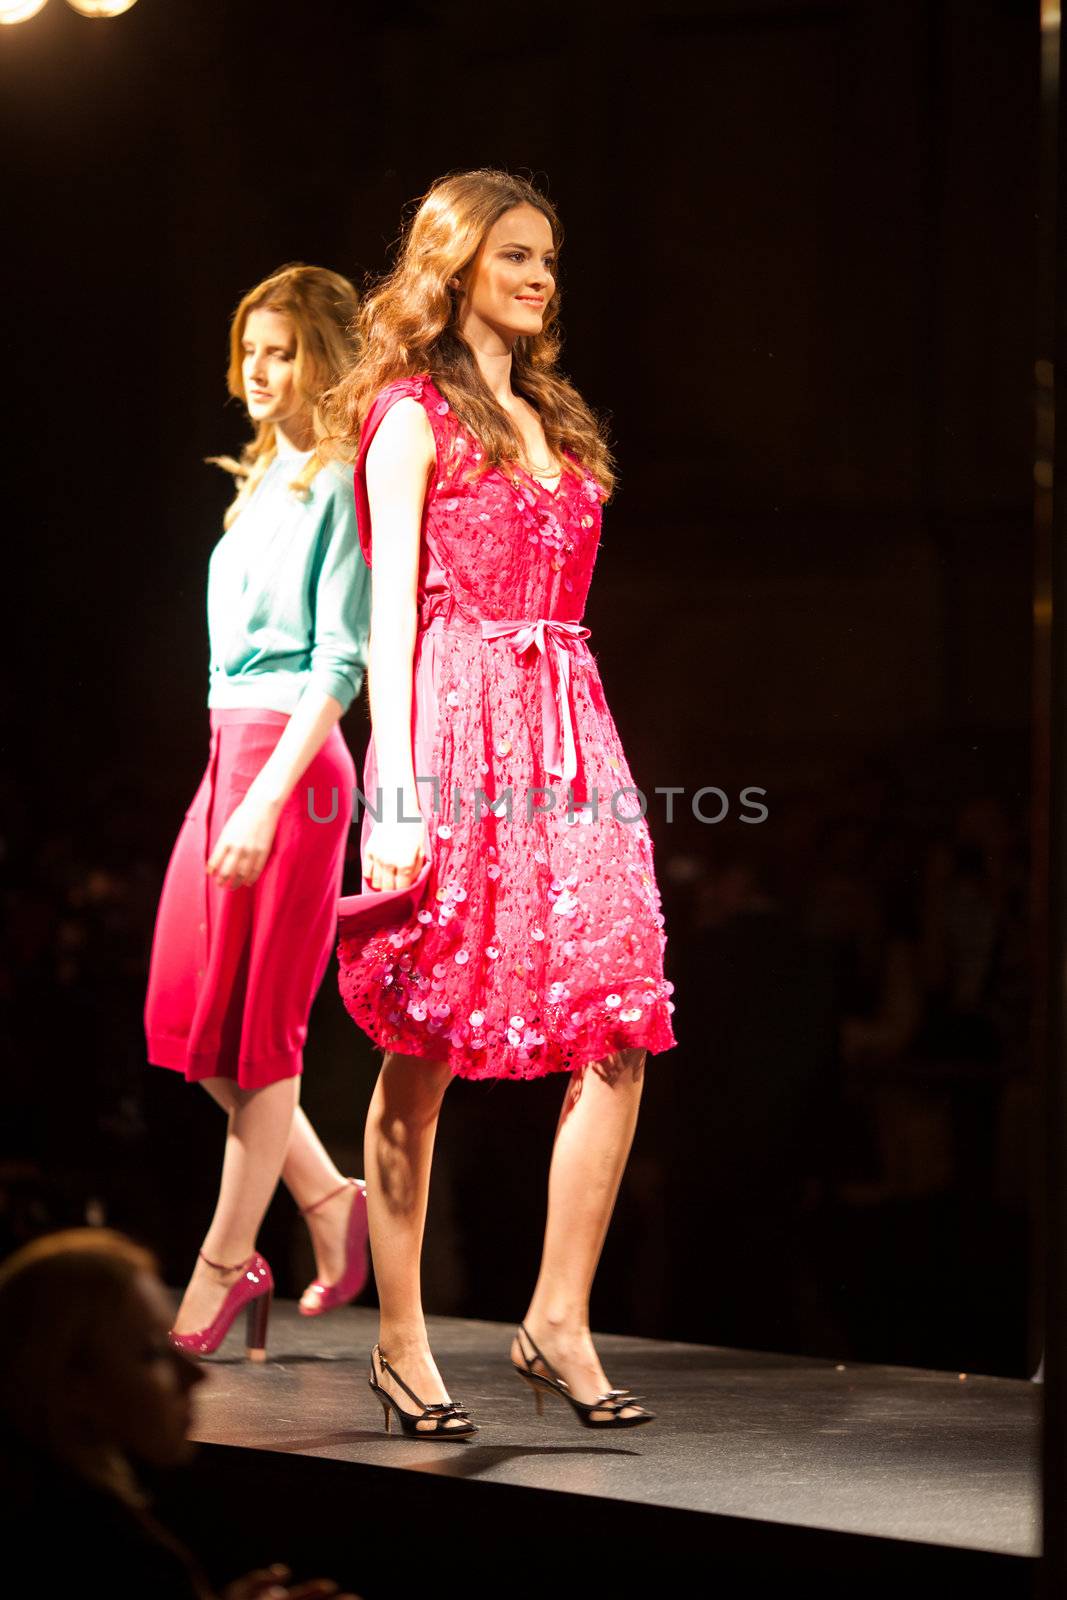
<point>288,594</point>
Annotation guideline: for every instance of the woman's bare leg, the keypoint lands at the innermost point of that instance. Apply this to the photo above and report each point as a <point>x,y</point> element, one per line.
<point>593,1139</point>
<point>309,1173</point>
<point>260,1126</point>
<point>398,1152</point>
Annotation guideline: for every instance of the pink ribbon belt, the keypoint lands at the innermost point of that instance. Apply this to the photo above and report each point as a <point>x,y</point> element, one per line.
<point>554,641</point>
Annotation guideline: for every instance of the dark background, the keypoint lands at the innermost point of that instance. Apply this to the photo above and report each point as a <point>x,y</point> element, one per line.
<point>799,275</point>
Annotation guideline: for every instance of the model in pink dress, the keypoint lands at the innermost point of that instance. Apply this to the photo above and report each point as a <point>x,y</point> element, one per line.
<point>537,944</point>
<point>512,926</point>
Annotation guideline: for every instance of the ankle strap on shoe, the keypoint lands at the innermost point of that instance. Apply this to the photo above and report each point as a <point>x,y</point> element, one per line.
<point>524,1334</point>
<point>305,1211</point>
<point>383,1363</point>
<point>220,1266</point>
<point>441,1411</point>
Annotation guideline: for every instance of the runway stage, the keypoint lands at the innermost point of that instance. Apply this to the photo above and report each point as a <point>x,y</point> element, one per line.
<point>768,1469</point>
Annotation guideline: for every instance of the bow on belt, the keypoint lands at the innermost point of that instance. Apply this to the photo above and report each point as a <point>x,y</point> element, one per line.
<point>554,641</point>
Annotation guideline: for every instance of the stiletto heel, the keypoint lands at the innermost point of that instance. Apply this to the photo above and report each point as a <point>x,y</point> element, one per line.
<point>254,1289</point>
<point>538,1394</point>
<point>440,1415</point>
<point>613,1404</point>
<point>354,1275</point>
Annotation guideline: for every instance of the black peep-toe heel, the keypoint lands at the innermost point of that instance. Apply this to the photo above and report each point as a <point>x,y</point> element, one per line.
<point>441,1414</point>
<point>614,1403</point>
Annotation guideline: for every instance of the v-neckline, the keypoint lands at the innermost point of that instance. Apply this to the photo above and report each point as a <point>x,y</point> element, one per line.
<point>553,494</point>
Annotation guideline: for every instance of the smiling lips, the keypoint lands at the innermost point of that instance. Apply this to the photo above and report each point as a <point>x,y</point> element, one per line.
<point>530,299</point>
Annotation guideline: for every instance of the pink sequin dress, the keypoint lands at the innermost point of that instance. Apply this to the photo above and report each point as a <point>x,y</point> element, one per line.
<point>537,943</point>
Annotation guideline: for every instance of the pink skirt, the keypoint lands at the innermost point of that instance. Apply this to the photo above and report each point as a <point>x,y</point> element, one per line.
<point>234,971</point>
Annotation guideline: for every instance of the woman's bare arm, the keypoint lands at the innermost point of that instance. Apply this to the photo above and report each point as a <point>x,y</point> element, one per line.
<point>398,466</point>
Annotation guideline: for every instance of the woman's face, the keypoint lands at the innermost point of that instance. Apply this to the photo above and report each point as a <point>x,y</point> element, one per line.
<point>268,368</point>
<point>512,278</point>
<point>137,1397</point>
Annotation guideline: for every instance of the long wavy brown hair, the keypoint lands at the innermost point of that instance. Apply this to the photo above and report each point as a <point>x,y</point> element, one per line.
<point>323,308</point>
<point>407,326</point>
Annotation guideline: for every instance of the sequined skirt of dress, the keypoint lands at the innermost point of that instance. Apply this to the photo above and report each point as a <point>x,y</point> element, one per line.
<point>538,944</point>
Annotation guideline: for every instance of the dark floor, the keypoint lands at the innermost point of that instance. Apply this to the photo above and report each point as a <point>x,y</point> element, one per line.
<point>891,1452</point>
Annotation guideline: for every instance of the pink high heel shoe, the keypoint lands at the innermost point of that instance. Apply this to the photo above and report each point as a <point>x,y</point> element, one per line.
<point>349,1284</point>
<point>254,1289</point>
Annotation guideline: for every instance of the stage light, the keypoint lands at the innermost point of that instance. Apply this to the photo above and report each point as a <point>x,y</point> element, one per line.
<point>19,10</point>
<point>101,8</point>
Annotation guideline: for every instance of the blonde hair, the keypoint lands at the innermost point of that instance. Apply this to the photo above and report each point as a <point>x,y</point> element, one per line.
<point>323,308</point>
<point>57,1299</point>
<point>408,326</point>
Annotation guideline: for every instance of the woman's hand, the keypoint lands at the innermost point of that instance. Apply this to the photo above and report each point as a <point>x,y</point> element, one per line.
<point>244,843</point>
<point>394,854</point>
